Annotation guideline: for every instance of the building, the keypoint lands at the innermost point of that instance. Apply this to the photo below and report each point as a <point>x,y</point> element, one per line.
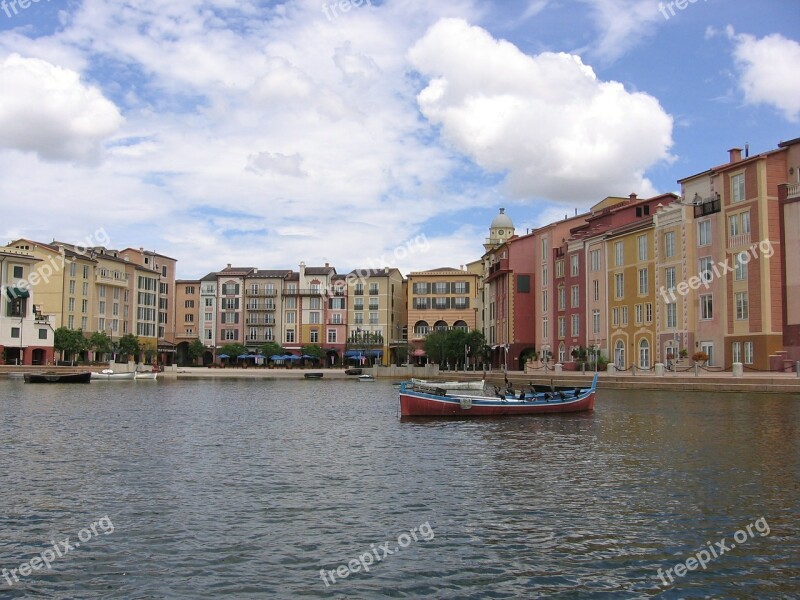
<point>376,319</point>
<point>230,304</point>
<point>440,299</point>
<point>264,301</point>
<point>789,199</point>
<point>26,334</point>
<point>187,318</point>
<point>208,316</point>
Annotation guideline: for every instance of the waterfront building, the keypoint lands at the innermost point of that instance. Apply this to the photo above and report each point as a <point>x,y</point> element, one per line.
<point>263,305</point>
<point>187,317</point>
<point>376,318</point>
<point>230,304</point>
<point>26,334</point>
<point>336,320</point>
<point>789,199</point>
<point>208,316</point>
<point>440,299</point>
<point>303,293</point>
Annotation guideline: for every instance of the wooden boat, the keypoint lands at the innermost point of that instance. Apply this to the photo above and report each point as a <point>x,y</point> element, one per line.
<point>109,375</point>
<point>366,378</point>
<point>428,401</point>
<point>50,377</point>
<point>451,385</point>
<point>146,375</point>
<point>353,371</point>
<point>313,375</point>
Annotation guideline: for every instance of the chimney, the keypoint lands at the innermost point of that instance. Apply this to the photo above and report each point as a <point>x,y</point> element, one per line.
<point>736,154</point>
<point>633,197</point>
<point>747,150</point>
<point>229,265</point>
<point>327,265</point>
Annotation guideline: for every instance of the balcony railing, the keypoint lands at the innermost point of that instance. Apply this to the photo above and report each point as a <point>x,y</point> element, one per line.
<point>262,293</point>
<point>303,292</point>
<point>793,190</point>
<point>260,306</point>
<point>742,239</point>
<point>708,207</point>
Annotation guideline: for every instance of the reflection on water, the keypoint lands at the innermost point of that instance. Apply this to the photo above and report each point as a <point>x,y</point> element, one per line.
<point>249,488</point>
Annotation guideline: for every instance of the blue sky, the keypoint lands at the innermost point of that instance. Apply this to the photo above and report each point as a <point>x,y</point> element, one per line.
<point>266,133</point>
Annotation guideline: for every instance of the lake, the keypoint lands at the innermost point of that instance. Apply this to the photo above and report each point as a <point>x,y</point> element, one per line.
<point>315,489</point>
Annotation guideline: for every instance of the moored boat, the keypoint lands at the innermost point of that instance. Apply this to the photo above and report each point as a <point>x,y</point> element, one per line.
<point>365,378</point>
<point>432,401</point>
<point>109,375</point>
<point>313,375</point>
<point>354,371</point>
<point>451,385</point>
<point>51,377</point>
<point>146,375</point>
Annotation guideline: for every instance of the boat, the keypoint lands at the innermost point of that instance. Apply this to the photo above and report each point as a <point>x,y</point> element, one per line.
<point>109,375</point>
<point>51,377</point>
<point>146,375</point>
<point>313,375</point>
<point>353,371</point>
<point>451,385</point>
<point>430,401</point>
<point>365,378</point>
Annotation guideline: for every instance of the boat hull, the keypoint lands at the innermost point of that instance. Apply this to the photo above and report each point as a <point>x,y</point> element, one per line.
<point>146,375</point>
<point>313,375</point>
<point>452,385</point>
<point>435,402</point>
<point>58,377</point>
<point>113,376</point>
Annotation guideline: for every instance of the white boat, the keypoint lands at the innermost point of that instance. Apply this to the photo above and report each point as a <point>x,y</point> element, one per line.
<point>109,375</point>
<point>146,375</point>
<point>451,385</point>
<point>365,378</point>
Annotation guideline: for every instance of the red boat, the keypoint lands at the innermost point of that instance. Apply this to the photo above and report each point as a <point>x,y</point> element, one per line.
<point>428,401</point>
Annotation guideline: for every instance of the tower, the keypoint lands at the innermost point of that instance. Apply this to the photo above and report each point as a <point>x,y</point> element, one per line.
<point>501,229</point>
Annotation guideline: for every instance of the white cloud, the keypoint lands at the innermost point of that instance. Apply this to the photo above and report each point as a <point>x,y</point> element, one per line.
<point>621,25</point>
<point>276,163</point>
<point>768,71</point>
<point>47,110</point>
<point>546,120</point>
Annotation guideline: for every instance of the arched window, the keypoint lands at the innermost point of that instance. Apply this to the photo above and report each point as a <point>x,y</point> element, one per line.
<point>461,325</point>
<point>562,353</point>
<point>421,328</point>
<point>441,326</point>
<point>619,354</point>
<point>644,354</point>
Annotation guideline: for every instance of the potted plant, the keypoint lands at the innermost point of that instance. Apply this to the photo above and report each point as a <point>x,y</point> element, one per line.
<point>683,353</point>
<point>700,358</point>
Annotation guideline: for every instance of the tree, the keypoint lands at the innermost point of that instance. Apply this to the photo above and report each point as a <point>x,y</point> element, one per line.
<point>196,350</point>
<point>233,350</point>
<point>313,350</point>
<point>69,342</point>
<point>101,343</point>
<point>272,349</point>
<point>129,346</point>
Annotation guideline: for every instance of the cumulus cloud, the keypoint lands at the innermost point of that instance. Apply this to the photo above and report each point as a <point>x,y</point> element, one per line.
<point>621,25</point>
<point>277,163</point>
<point>768,71</point>
<point>47,110</point>
<point>545,121</point>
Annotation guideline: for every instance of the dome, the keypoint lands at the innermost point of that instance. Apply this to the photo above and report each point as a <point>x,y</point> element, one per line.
<point>502,221</point>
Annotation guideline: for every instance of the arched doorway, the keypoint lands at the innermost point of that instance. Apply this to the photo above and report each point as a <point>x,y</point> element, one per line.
<point>644,354</point>
<point>208,358</point>
<point>182,354</point>
<point>562,353</point>
<point>524,356</point>
<point>619,354</point>
<point>38,357</point>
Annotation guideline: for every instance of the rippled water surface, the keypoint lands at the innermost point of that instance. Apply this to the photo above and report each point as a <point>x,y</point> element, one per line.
<point>247,489</point>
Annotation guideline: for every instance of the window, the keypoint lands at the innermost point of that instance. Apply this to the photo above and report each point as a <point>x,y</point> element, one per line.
<point>230,303</point>
<point>331,336</point>
<point>15,332</point>
<point>85,288</point>
<point>336,303</point>
<point>562,298</point>
<point>669,278</point>
<point>642,244</point>
<point>733,225</point>
<point>440,287</point>
<point>594,260</point>
<point>460,303</point>
<point>648,313</point>
<point>209,302</point>
<point>736,352</point>
<point>559,268</point>
<point>358,303</point>
<point>315,336</point>
<point>86,271</point>
<point>619,254</point>
<point>545,328</point>
<point>638,314</point>
<point>596,286</point>
<point>544,248</point>
<point>43,334</point>
<point>101,307</point>
<point>562,327</point>
<point>462,287</point>
<point>544,301</point>
<point>706,307</point>
<point>748,353</point>
<point>672,315</point>
<point>269,334</point>
<point>669,244</point>
<point>619,285</point>
<point>576,296</point>
<point>291,302</point>
<point>253,334</point>
<point>373,289</point>
<point>595,321</point>
<point>209,334</point>
<point>358,318</point>
<point>72,269</point>
<point>359,291</point>
<point>624,313</point>
<point>421,328</point>
<point>291,317</point>
<point>336,319</point>
<point>84,306</point>
<point>188,304</point>
<point>18,272</point>
<point>373,303</point>
<point>615,317</point>
<point>575,325</point>
<point>544,276</point>
<point>746,222</point>
<point>208,316</point>
<point>72,286</point>
<point>71,305</point>
<point>373,318</point>
<point>574,268</point>
<point>644,354</point>
<point>643,281</point>
<point>737,187</point>
<point>740,268</point>
<point>230,334</point>
<point>290,336</point>
<point>704,233</point>
<point>420,288</point>
<point>314,318</point>
<point>190,289</point>
<point>188,319</point>
<point>315,303</point>
<point>523,284</point>
<point>706,267</point>
<point>421,303</point>
<point>742,309</point>
<point>71,322</point>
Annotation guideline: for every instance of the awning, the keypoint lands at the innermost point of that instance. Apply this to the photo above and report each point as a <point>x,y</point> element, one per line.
<point>15,292</point>
<point>418,352</point>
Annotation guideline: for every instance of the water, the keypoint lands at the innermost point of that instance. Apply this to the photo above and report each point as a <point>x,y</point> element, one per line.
<point>247,489</point>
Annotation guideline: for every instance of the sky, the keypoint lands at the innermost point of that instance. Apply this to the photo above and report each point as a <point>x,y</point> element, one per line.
<point>369,133</point>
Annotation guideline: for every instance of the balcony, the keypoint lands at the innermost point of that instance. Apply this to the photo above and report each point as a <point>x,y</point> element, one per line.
<point>709,206</point>
<point>260,306</point>
<point>261,293</point>
<point>736,241</point>
<point>303,292</point>
<point>793,190</point>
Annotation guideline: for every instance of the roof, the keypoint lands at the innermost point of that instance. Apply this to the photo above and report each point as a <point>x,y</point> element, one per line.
<point>502,221</point>
<point>279,273</point>
<point>149,252</point>
<point>385,272</point>
<point>320,270</point>
<point>234,271</point>
<point>56,248</point>
<point>209,277</point>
